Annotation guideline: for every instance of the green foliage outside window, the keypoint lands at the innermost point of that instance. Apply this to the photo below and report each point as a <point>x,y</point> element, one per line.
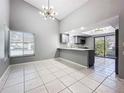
<point>99,47</point>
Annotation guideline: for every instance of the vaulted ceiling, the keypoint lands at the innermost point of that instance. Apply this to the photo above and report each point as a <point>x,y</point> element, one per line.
<point>62,7</point>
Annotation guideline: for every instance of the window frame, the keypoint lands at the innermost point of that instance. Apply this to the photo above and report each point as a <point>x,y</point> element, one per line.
<point>23,55</point>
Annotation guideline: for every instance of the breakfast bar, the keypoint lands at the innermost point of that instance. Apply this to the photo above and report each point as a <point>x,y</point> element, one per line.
<point>84,57</point>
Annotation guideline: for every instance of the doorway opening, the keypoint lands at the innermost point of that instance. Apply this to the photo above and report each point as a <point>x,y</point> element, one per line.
<point>106,46</point>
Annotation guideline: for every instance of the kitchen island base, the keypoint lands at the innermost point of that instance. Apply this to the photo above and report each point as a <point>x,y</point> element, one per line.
<point>83,57</point>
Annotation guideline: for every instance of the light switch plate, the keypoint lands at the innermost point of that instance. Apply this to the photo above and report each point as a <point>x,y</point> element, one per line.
<point>123,44</point>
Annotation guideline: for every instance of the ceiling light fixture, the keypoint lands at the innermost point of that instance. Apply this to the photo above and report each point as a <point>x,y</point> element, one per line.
<point>48,12</point>
<point>82,28</point>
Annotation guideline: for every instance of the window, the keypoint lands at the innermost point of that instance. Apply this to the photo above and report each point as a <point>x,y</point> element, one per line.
<point>21,44</point>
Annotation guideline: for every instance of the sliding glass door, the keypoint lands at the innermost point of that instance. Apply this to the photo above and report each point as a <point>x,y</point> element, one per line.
<point>110,46</point>
<point>105,46</point>
<point>99,46</point>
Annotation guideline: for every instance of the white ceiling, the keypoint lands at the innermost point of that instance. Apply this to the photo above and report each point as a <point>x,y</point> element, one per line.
<point>62,7</point>
<point>112,22</point>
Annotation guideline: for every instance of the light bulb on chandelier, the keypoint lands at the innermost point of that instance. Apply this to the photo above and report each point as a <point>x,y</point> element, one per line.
<point>48,12</point>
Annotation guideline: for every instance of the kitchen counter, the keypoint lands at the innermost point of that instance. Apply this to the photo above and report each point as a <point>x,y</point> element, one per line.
<point>84,57</point>
<point>79,49</point>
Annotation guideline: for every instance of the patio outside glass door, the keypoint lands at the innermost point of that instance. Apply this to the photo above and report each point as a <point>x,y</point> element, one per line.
<point>105,46</point>
<point>99,46</point>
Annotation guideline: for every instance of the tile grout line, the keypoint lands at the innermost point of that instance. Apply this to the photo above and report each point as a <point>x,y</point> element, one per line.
<point>72,83</point>
<point>57,78</point>
<point>66,87</point>
<point>14,84</point>
<point>28,80</point>
<point>32,79</point>
<point>5,81</point>
<point>94,80</point>
<point>24,77</point>
<point>41,78</point>
<point>101,83</point>
<point>63,76</point>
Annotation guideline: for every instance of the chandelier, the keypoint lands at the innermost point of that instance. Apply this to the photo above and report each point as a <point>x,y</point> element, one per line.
<point>48,12</point>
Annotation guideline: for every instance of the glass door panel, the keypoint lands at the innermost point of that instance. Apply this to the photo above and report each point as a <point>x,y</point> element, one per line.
<point>110,46</point>
<point>99,46</point>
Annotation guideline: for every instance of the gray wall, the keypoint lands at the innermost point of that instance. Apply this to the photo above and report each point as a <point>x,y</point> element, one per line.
<point>24,17</point>
<point>90,42</point>
<point>2,42</point>
<point>121,41</point>
<point>91,13</point>
<point>4,12</point>
<point>4,20</point>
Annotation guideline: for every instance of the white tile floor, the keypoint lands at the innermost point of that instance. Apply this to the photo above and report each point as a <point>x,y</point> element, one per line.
<point>54,76</point>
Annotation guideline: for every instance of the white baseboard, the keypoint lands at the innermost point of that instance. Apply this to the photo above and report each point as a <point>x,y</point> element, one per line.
<point>4,78</point>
